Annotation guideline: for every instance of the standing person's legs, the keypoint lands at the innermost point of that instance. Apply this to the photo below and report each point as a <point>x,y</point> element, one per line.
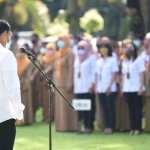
<point>93,111</point>
<point>129,98</point>
<point>7,134</point>
<point>111,110</point>
<point>90,115</point>
<point>102,98</point>
<point>86,115</point>
<point>138,111</point>
<point>80,113</point>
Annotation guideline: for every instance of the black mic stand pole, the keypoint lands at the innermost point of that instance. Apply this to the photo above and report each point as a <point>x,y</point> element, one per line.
<point>51,86</point>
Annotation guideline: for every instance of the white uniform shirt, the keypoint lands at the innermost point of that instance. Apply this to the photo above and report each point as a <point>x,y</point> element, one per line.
<point>10,98</point>
<point>104,71</point>
<point>84,74</point>
<point>134,68</point>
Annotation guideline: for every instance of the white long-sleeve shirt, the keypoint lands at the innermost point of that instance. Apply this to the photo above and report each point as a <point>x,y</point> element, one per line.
<point>10,97</point>
<point>86,69</point>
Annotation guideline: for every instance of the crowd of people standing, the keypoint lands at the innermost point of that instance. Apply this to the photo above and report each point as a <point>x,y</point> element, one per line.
<point>115,77</point>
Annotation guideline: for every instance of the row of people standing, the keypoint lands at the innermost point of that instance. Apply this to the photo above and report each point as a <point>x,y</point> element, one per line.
<point>132,71</point>
<point>74,76</point>
<point>59,67</point>
<point>131,87</point>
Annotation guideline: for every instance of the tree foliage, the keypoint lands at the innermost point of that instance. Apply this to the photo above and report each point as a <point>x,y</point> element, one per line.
<point>18,12</point>
<point>92,21</point>
<point>59,25</point>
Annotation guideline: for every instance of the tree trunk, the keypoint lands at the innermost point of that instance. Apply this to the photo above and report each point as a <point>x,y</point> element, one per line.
<point>139,6</point>
<point>73,18</point>
<point>144,14</point>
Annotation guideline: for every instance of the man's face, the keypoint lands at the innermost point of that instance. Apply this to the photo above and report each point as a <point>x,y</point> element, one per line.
<point>5,37</point>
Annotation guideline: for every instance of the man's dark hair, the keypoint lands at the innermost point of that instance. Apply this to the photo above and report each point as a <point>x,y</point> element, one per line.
<point>35,35</point>
<point>4,26</point>
<point>139,36</point>
<point>77,37</point>
<point>113,38</point>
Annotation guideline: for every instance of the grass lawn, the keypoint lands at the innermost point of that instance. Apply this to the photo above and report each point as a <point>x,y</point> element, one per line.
<point>36,137</point>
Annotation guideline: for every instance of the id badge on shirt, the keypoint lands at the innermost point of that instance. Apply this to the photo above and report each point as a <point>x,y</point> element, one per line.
<point>128,75</point>
<point>79,75</point>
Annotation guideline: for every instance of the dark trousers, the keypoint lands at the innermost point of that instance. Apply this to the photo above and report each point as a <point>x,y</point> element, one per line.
<point>87,116</point>
<point>107,104</point>
<point>135,109</point>
<point>7,134</point>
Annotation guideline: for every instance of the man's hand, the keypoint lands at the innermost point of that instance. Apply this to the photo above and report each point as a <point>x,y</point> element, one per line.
<point>19,122</point>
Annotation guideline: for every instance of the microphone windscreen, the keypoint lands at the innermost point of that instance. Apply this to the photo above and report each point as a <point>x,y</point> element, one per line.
<point>22,50</point>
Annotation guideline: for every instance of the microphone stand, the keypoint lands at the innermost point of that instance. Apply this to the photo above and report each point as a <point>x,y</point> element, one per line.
<point>51,87</point>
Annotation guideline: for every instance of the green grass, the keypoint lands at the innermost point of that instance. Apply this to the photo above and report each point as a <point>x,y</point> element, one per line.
<point>36,137</point>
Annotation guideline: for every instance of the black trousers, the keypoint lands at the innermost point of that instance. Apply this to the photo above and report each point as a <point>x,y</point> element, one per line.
<point>87,116</point>
<point>7,134</point>
<point>108,108</point>
<point>135,109</point>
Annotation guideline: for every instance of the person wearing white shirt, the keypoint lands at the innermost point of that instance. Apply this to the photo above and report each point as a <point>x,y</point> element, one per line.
<point>105,85</point>
<point>11,108</point>
<point>133,86</point>
<point>84,83</point>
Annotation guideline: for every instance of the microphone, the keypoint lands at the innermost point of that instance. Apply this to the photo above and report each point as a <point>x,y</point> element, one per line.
<point>23,50</point>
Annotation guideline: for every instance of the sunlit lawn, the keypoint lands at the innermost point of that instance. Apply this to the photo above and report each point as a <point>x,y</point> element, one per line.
<point>36,137</point>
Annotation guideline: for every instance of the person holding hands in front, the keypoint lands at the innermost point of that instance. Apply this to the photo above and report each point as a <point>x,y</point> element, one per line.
<point>105,82</point>
<point>132,86</point>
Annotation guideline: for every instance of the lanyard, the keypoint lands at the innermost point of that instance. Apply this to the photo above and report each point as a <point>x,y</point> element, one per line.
<point>101,69</point>
<point>128,74</point>
<point>79,73</point>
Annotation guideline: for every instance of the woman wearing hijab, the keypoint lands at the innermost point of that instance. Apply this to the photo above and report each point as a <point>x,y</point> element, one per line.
<point>24,72</point>
<point>47,64</point>
<point>132,86</point>
<point>105,83</point>
<point>84,83</point>
<point>65,118</point>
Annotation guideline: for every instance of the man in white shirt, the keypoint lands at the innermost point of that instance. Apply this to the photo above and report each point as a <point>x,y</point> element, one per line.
<point>11,108</point>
